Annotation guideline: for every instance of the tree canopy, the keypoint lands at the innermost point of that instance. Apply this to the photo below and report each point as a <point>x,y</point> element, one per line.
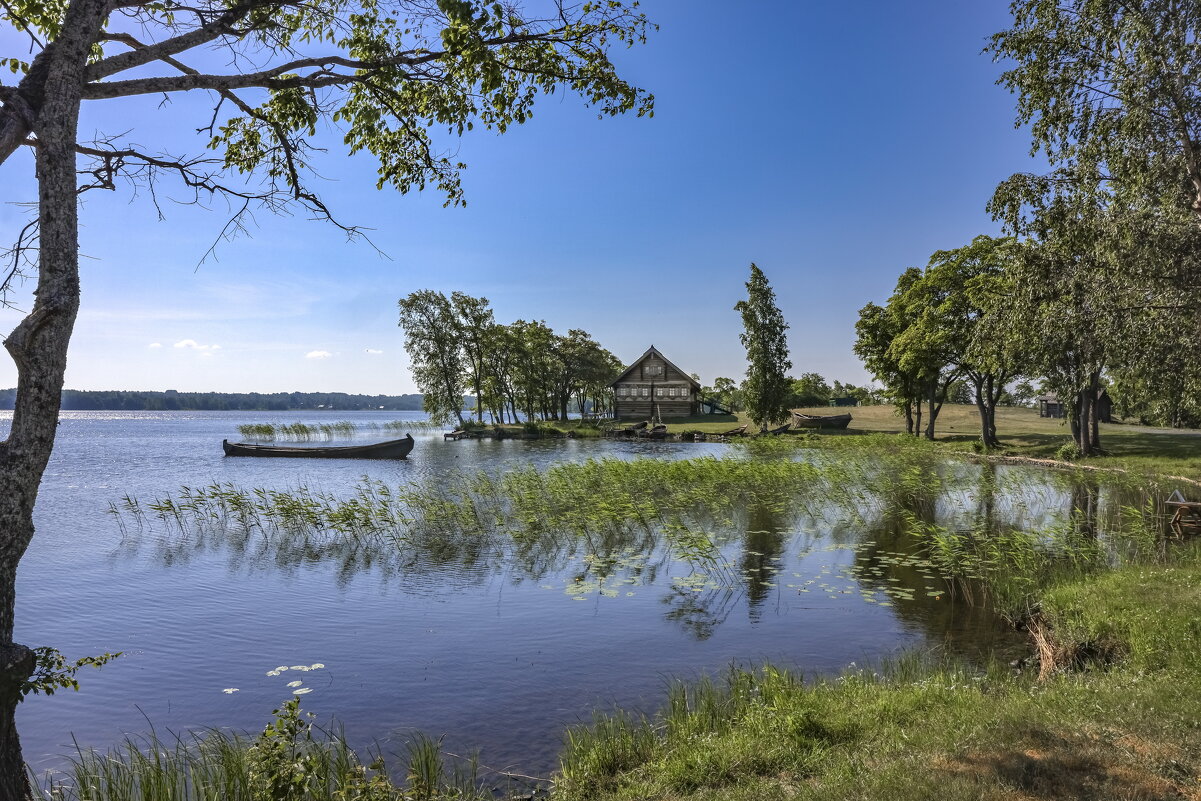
<point>386,77</point>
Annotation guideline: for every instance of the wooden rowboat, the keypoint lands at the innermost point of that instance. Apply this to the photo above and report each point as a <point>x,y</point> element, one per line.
<point>820,421</point>
<point>393,449</point>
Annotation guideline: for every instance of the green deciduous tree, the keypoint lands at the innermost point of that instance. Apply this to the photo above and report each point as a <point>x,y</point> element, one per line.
<point>764,335</point>
<point>432,340</point>
<point>1109,90</point>
<point>383,75</point>
<point>1110,276</point>
<point>810,390</point>
<point>473,323</point>
<point>876,330</point>
<point>966,293</point>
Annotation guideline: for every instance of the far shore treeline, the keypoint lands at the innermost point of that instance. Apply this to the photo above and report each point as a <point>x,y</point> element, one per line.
<point>127,400</point>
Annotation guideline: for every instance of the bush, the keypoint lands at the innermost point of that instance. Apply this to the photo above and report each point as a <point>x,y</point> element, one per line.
<point>1068,452</point>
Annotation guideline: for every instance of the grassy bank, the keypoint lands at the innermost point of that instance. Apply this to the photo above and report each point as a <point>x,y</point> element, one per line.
<point>1117,719</point>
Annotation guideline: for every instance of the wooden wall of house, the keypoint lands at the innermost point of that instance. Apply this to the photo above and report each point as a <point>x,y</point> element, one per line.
<point>653,371</point>
<point>644,409</point>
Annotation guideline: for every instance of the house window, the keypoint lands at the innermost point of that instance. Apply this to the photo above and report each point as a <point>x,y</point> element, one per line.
<point>623,390</point>
<point>659,392</point>
<point>671,392</point>
<point>646,392</point>
<point>654,369</point>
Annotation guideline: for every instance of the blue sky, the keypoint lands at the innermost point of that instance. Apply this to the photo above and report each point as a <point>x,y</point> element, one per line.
<point>833,144</point>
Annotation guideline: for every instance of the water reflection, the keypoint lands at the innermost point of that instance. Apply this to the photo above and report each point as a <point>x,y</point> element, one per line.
<point>706,563</point>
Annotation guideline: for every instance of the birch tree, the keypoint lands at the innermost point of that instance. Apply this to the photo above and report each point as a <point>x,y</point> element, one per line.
<point>388,75</point>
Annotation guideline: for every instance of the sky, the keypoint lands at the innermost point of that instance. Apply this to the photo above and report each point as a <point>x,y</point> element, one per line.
<point>832,144</point>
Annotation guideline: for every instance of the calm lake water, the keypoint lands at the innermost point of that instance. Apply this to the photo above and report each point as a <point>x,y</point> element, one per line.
<point>494,653</point>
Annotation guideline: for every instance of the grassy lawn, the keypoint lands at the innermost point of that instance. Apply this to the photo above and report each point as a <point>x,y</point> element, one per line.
<point>1022,431</point>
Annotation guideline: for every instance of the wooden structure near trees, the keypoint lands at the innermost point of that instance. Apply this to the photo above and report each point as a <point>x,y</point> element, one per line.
<point>1050,405</point>
<point>654,388</point>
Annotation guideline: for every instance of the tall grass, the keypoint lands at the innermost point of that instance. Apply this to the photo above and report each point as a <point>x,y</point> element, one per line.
<point>316,432</point>
<point>958,526</point>
<point>291,760</point>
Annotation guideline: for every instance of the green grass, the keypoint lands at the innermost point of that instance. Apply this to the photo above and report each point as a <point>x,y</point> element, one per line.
<point>1118,730</point>
<point>291,760</point>
<point>1022,432</point>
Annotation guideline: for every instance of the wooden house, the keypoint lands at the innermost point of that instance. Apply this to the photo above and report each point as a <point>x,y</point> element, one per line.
<point>1050,405</point>
<point>654,387</point>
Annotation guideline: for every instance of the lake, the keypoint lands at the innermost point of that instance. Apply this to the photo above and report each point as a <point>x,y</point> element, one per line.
<point>497,649</point>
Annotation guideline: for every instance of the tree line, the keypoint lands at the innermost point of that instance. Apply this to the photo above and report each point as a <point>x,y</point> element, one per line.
<point>522,371</point>
<point>810,390</point>
<point>127,400</point>
<point>1097,283</point>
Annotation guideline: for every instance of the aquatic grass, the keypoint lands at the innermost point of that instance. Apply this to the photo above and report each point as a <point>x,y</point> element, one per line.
<point>976,534</point>
<point>291,760</point>
<point>342,429</point>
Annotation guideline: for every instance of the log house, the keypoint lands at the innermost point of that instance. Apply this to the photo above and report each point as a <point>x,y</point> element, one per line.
<point>653,381</point>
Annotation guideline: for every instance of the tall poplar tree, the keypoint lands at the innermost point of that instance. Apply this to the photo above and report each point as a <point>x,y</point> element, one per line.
<point>767,388</point>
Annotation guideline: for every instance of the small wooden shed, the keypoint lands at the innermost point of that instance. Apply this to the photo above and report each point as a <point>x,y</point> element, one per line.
<point>653,384</point>
<point>1050,405</point>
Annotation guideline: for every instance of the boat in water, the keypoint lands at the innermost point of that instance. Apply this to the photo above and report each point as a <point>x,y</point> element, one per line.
<point>392,449</point>
<point>820,421</point>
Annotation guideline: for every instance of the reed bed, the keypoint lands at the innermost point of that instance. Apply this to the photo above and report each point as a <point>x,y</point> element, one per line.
<point>984,536</point>
<point>319,432</point>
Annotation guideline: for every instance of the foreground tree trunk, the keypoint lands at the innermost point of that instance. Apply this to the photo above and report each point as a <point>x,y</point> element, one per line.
<point>988,393</point>
<point>38,346</point>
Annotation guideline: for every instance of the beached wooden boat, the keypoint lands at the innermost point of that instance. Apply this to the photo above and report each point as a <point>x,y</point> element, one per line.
<point>393,449</point>
<point>820,421</point>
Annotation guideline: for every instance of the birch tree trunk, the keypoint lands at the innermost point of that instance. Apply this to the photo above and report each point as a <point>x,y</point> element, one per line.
<point>38,346</point>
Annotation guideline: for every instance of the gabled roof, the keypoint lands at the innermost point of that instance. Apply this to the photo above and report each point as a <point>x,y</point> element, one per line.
<point>652,350</point>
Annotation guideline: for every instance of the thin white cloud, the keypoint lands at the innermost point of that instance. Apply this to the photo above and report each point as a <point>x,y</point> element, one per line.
<point>374,351</point>
<point>155,345</point>
<point>194,345</point>
<point>318,354</point>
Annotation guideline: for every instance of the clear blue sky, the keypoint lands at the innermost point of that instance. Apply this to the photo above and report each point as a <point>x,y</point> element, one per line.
<point>833,144</point>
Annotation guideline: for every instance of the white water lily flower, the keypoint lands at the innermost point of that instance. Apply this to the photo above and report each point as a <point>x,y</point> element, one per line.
<point>230,690</point>
<point>302,691</point>
<point>295,683</point>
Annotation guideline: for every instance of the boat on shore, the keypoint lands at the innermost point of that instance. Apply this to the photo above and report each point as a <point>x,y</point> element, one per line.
<point>820,421</point>
<point>392,449</point>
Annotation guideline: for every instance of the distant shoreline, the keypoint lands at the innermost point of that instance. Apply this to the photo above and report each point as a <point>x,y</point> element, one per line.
<point>75,400</point>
